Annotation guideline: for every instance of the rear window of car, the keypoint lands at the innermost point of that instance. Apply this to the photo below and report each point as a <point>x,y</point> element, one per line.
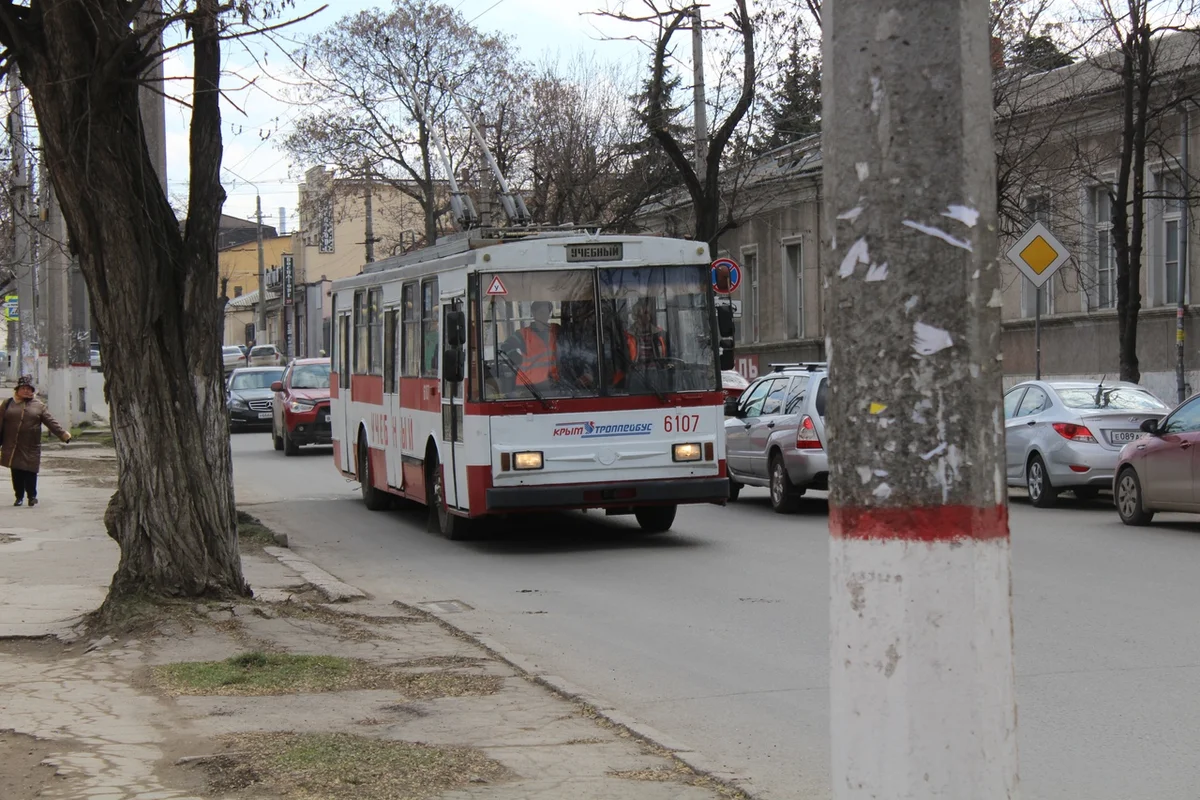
<point>229,351</point>
<point>1116,398</point>
<point>263,350</point>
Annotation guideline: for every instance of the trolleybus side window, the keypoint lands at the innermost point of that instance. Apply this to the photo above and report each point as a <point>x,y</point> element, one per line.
<point>391,331</point>
<point>375,331</point>
<point>360,333</point>
<point>429,328</point>
<point>410,350</point>
<point>343,350</point>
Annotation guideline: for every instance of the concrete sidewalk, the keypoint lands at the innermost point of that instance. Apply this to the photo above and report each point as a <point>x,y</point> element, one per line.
<point>87,718</point>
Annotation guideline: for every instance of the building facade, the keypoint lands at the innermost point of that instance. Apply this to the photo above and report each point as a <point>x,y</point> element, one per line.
<point>1059,147</point>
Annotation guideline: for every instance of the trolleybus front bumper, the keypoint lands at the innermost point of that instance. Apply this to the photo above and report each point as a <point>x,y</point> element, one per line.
<point>601,495</point>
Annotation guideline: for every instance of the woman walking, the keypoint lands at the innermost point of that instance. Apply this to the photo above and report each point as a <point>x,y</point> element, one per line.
<point>21,420</point>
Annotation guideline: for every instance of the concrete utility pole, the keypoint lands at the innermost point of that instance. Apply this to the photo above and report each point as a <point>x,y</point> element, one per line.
<point>698,102</point>
<point>56,264</point>
<point>922,687</point>
<point>27,345</point>
<point>260,321</point>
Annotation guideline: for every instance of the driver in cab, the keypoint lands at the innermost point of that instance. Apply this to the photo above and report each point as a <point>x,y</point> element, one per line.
<point>537,346</point>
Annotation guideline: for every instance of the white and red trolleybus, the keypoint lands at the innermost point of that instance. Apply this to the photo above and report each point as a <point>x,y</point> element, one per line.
<point>488,376</point>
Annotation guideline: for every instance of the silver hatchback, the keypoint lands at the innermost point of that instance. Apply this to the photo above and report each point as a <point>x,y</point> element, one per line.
<point>775,435</point>
<point>1069,434</point>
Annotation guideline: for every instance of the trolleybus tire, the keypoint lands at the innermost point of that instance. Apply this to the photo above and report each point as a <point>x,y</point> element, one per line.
<point>452,527</point>
<point>373,499</point>
<point>655,519</point>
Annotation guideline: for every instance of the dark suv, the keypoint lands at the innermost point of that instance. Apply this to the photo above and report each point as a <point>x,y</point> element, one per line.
<point>775,434</point>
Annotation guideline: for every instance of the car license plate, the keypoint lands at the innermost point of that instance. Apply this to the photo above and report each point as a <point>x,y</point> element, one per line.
<point>264,415</point>
<point>1124,437</point>
<point>324,418</point>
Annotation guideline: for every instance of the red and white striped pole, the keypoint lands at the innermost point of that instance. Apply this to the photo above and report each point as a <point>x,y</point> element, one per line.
<point>922,684</point>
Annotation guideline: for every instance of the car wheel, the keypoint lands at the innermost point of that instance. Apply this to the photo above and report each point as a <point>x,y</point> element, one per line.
<point>1129,499</point>
<point>452,527</point>
<point>373,498</point>
<point>275,439</point>
<point>290,448</point>
<point>785,497</point>
<point>735,489</point>
<point>655,519</point>
<point>1042,493</point>
<point>1085,492</point>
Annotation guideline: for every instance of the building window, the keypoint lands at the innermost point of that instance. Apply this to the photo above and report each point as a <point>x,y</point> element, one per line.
<point>748,331</point>
<point>1171,190</point>
<point>375,328</point>
<point>793,289</point>
<point>361,333</point>
<point>1106,257</point>
<point>325,224</point>
<point>429,328</point>
<point>410,322</point>
<point>1034,298</point>
<point>237,291</point>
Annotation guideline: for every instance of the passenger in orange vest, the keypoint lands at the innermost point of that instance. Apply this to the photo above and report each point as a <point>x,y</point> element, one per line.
<point>537,344</point>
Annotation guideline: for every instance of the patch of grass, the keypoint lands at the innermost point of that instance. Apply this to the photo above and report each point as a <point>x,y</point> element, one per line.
<point>338,765</point>
<point>258,673</point>
<point>252,534</point>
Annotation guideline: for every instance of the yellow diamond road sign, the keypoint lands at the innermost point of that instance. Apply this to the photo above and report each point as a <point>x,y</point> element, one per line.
<point>1038,254</point>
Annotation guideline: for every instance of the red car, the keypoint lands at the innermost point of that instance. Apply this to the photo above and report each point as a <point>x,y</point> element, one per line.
<point>1161,470</point>
<point>301,406</point>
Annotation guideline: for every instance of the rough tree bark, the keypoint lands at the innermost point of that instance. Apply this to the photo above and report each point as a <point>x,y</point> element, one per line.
<point>153,286</point>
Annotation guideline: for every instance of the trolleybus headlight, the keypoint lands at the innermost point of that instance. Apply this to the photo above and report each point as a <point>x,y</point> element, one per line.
<point>686,452</point>
<point>528,460</point>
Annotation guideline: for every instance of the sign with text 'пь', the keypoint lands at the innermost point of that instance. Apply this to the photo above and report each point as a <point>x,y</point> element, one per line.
<point>1038,254</point>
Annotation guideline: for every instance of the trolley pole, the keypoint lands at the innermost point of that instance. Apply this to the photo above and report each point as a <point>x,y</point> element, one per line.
<point>922,687</point>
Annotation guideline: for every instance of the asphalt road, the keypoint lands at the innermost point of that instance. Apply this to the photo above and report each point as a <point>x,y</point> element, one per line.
<point>717,633</point>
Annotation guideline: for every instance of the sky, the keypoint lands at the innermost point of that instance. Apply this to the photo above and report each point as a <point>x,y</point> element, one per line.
<point>256,117</point>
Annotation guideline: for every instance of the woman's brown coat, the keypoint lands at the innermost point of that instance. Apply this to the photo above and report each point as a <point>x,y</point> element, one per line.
<point>21,437</point>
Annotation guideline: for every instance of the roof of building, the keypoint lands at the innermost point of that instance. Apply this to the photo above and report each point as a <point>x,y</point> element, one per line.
<point>244,302</point>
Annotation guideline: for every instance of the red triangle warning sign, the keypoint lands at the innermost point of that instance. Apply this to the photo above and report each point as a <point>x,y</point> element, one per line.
<point>497,286</point>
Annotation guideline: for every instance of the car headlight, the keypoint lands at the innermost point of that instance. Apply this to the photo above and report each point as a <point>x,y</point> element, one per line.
<point>237,402</point>
<point>527,460</point>
<point>686,452</point>
<point>300,406</point>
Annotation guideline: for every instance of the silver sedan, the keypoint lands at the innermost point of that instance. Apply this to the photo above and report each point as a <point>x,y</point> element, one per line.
<point>1068,434</point>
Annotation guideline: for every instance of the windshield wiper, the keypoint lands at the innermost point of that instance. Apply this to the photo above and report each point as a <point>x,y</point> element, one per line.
<point>523,379</point>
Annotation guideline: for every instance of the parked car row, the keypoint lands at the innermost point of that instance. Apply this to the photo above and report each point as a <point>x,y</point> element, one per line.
<point>292,401</point>
<point>1060,436</point>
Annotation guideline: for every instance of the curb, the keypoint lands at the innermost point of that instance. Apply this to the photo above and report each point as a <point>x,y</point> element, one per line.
<point>335,591</point>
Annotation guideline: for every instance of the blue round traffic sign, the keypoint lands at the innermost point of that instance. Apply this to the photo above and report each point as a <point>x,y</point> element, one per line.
<point>735,275</point>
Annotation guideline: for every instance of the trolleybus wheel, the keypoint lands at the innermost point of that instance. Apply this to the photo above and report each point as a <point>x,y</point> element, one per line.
<point>655,519</point>
<point>373,498</point>
<point>453,527</point>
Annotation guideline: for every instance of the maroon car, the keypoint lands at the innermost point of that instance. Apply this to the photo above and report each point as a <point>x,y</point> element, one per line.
<point>1161,470</point>
<point>301,406</point>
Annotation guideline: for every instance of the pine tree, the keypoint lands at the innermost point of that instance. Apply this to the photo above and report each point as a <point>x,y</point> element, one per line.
<point>793,110</point>
<point>1040,53</point>
<point>650,167</point>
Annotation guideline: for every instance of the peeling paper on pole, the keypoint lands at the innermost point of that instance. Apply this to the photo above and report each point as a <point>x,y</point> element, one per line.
<point>964,214</point>
<point>877,272</point>
<point>938,233</point>
<point>852,214</point>
<point>859,253</point>
<point>928,339</point>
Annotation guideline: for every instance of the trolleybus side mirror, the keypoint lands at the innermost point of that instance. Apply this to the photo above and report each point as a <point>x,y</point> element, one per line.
<point>453,360</point>
<point>725,321</point>
<point>456,328</point>
<point>726,344</point>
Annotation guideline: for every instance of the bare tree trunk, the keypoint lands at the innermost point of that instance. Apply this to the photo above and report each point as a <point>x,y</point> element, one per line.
<point>153,291</point>
<point>1130,201</point>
